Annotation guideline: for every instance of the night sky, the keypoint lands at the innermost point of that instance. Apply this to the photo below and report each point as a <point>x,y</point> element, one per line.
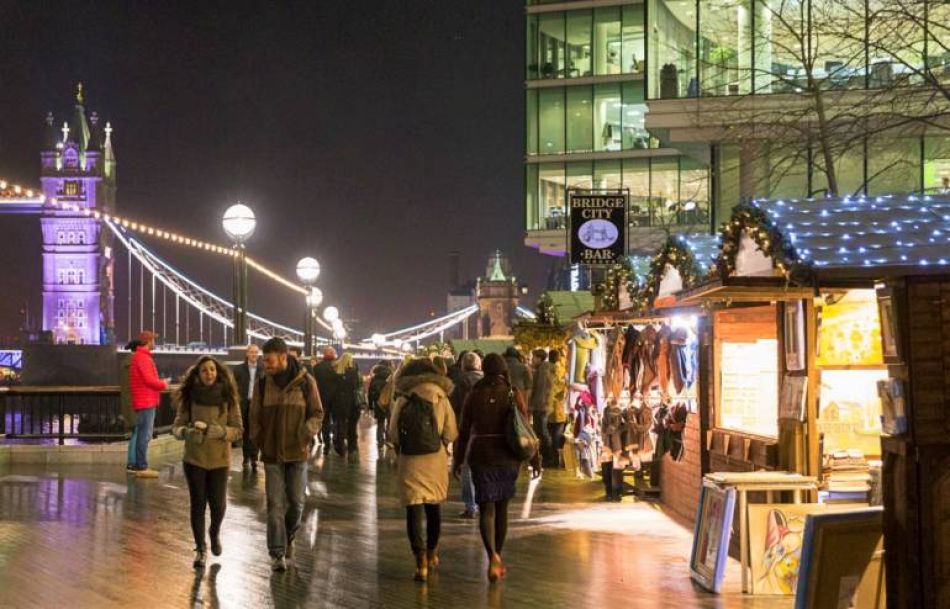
<point>375,136</point>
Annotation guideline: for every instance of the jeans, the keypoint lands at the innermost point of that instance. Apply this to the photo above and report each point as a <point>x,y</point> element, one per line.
<point>344,428</point>
<point>468,490</point>
<point>433,528</point>
<point>539,422</point>
<point>248,449</point>
<point>326,431</point>
<point>208,488</point>
<point>131,460</point>
<point>284,484</point>
<point>144,426</point>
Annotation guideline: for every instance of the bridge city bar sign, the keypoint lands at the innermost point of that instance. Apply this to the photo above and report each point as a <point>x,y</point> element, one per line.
<point>598,226</point>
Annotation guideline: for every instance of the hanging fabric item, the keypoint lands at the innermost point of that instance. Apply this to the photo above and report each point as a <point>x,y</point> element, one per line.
<point>664,441</point>
<point>595,371</point>
<point>646,348</point>
<point>683,355</point>
<point>582,342</point>
<point>611,429</point>
<point>614,376</point>
<point>644,430</point>
<point>662,354</point>
<point>676,424</point>
<point>631,357</point>
<point>584,434</point>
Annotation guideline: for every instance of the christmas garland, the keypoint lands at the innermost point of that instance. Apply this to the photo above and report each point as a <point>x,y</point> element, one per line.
<point>619,276</point>
<point>676,254</point>
<point>755,222</point>
<point>531,335</point>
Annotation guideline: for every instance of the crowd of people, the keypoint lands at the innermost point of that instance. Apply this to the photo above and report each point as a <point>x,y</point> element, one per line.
<point>438,415</point>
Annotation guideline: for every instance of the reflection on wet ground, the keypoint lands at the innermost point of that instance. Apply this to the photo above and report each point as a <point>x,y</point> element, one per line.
<point>88,537</point>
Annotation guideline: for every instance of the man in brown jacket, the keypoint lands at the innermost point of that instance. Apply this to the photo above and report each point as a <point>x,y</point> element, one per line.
<point>285,415</point>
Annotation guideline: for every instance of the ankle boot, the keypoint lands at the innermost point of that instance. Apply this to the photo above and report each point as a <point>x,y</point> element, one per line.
<point>617,480</point>
<point>422,567</point>
<point>606,473</point>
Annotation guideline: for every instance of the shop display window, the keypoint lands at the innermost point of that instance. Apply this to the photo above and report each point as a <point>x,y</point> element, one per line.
<point>747,353</point>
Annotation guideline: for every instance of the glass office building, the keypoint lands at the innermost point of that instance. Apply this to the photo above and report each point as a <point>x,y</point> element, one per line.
<point>616,97</point>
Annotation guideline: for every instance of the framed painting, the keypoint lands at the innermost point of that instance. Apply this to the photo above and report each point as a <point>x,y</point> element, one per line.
<point>842,561</point>
<point>707,563</point>
<point>890,337</point>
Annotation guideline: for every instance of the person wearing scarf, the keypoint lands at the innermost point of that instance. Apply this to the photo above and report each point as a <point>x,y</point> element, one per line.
<point>208,421</point>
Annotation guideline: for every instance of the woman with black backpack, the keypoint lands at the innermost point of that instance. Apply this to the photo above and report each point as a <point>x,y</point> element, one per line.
<point>483,444</point>
<point>421,427</point>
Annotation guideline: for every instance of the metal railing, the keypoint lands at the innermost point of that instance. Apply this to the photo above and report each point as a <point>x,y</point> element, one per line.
<point>71,413</point>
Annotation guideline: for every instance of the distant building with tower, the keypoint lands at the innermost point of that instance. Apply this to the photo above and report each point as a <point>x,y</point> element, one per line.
<point>78,167</point>
<point>497,294</point>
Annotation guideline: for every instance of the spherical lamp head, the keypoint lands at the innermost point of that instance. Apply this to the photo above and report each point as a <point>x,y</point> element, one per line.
<point>339,333</point>
<point>331,314</point>
<point>378,340</point>
<point>315,297</point>
<point>308,269</point>
<point>239,223</point>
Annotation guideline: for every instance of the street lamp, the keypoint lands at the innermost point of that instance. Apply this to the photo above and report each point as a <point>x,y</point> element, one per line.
<point>331,314</point>
<point>308,269</point>
<point>239,224</point>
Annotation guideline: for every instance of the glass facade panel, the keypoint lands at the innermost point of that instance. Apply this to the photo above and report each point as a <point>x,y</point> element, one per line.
<point>938,41</point>
<point>580,128</point>
<point>788,172</point>
<point>672,49</point>
<point>531,121</point>
<point>551,195</point>
<point>664,187</point>
<point>837,43</point>
<point>578,44</point>
<point>636,177</point>
<point>580,174</point>
<point>694,192</point>
<point>634,110</point>
<point>552,50</point>
<point>937,165</point>
<point>607,117</point>
<point>849,170</point>
<point>725,41</point>
<point>779,40</point>
<point>895,42</point>
<point>533,215</point>
<point>893,165</point>
<point>531,49</point>
<point>551,121</point>
<point>633,41</point>
<point>607,174</point>
<point>608,46</point>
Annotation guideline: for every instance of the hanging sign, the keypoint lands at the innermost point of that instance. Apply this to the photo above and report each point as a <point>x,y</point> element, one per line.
<point>598,227</point>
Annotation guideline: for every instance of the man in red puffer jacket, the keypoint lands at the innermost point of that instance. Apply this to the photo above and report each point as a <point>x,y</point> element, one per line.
<point>145,388</point>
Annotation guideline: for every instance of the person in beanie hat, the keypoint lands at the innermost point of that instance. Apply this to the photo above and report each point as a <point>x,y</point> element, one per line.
<point>145,389</point>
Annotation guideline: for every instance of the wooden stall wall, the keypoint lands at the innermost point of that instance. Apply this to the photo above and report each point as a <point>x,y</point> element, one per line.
<point>917,465</point>
<point>680,481</point>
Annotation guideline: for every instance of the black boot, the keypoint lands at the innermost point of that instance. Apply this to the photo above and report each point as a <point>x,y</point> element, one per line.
<point>617,480</point>
<point>606,472</point>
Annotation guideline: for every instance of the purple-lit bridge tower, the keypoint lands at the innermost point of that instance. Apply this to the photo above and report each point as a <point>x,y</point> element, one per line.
<point>78,167</point>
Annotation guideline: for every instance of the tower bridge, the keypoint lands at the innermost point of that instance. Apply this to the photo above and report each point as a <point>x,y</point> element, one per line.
<point>87,246</point>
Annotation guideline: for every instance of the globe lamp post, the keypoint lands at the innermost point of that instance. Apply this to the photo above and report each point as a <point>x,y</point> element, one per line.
<point>239,224</point>
<point>308,269</point>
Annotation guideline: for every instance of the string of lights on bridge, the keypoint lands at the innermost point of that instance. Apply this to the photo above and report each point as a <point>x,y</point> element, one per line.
<point>151,231</point>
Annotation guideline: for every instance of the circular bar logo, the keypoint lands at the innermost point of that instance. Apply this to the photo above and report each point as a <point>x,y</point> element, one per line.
<point>598,234</point>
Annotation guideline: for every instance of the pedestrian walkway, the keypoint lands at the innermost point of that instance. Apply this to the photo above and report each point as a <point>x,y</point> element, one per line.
<point>88,537</point>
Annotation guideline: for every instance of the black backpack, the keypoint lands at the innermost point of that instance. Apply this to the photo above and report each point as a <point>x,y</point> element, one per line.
<point>418,428</point>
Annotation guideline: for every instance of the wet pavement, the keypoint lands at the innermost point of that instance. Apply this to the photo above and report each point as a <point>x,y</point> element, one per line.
<point>89,537</point>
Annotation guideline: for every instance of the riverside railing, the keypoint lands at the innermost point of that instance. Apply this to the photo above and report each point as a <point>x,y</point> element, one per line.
<point>92,414</point>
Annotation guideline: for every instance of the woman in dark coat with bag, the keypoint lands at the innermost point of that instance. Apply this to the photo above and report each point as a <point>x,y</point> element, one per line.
<point>483,445</point>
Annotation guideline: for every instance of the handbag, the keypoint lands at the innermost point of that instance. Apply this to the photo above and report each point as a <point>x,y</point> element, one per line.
<point>522,440</point>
